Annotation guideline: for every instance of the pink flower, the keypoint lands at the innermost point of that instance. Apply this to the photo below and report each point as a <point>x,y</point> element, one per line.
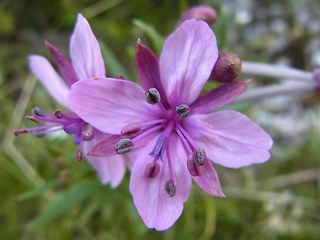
<point>87,62</point>
<point>172,139</point>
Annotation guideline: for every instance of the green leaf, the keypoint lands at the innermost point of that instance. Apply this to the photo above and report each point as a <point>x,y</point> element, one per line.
<point>155,37</point>
<point>38,190</point>
<point>221,28</point>
<point>114,67</point>
<point>66,200</point>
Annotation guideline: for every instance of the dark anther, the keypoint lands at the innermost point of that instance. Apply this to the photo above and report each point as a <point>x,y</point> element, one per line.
<point>152,170</point>
<point>78,155</point>
<point>58,113</point>
<point>183,111</point>
<point>37,111</point>
<point>194,170</point>
<point>199,156</point>
<point>17,132</point>
<point>123,146</point>
<point>170,188</point>
<point>33,118</point>
<point>132,130</point>
<point>153,96</point>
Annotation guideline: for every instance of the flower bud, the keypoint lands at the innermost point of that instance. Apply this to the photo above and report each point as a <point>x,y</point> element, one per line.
<point>205,13</point>
<point>227,67</point>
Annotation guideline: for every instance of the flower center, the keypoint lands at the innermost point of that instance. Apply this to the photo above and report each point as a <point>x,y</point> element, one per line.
<point>168,124</point>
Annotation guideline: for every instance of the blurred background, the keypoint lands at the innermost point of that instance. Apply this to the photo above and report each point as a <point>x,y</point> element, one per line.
<point>47,194</point>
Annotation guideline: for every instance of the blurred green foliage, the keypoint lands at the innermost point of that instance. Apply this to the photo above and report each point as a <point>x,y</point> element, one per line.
<point>63,199</point>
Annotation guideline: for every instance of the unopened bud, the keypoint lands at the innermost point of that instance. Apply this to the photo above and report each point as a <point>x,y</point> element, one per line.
<point>183,111</point>
<point>199,156</point>
<point>152,170</point>
<point>227,67</point>
<point>153,96</point>
<point>170,188</point>
<point>132,130</point>
<point>194,170</point>
<point>205,13</point>
<point>123,146</point>
<point>37,111</point>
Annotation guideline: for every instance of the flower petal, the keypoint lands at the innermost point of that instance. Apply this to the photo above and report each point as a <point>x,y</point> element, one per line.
<point>54,84</point>
<point>219,96</point>
<point>63,64</point>
<point>111,104</point>
<point>110,169</point>
<point>148,70</point>
<point>186,61</point>
<point>209,180</point>
<point>85,51</point>
<point>154,205</point>
<point>229,138</point>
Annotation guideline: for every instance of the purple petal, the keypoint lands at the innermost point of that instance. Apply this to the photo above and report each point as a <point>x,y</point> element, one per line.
<point>110,169</point>
<point>209,180</point>
<point>186,61</point>
<point>63,64</point>
<point>219,96</point>
<point>54,84</point>
<point>104,147</point>
<point>111,104</point>
<point>85,51</point>
<point>154,205</point>
<point>229,138</point>
<point>148,70</point>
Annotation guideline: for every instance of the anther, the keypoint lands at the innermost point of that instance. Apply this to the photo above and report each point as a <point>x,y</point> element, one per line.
<point>123,146</point>
<point>37,111</point>
<point>183,111</point>
<point>132,130</point>
<point>194,170</point>
<point>153,96</point>
<point>170,188</point>
<point>78,155</point>
<point>199,156</point>
<point>33,118</point>
<point>58,113</point>
<point>152,170</point>
<point>19,131</point>
<point>120,77</point>
<point>86,135</point>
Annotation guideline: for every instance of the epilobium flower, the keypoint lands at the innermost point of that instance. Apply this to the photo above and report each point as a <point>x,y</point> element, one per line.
<point>86,62</point>
<point>175,139</point>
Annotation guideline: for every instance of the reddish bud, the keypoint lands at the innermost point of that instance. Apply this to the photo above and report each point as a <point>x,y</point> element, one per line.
<point>227,67</point>
<point>205,13</point>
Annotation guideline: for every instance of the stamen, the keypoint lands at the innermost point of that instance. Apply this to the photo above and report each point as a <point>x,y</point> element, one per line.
<point>58,113</point>
<point>194,169</point>
<point>183,111</point>
<point>132,130</point>
<point>170,188</point>
<point>120,77</point>
<point>187,137</point>
<point>78,155</point>
<point>124,146</point>
<point>86,135</point>
<point>147,132</point>
<point>153,96</point>
<point>33,118</point>
<point>199,155</point>
<point>19,131</point>
<point>152,170</point>
<point>37,111</point>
